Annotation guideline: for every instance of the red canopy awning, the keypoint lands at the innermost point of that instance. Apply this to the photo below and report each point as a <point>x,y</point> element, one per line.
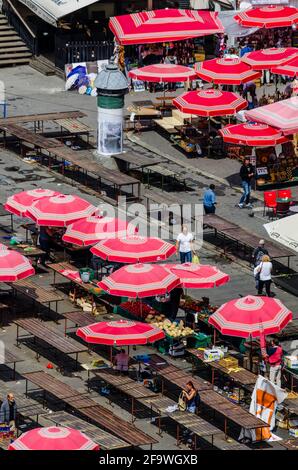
<point>53,438</point>
<point>163,73</point>
<point>226,71</point>
<point>290,69</point>
<point>283,115</point>
<point>267,58</point>
<point>252,134</point>
<point>120,333</point>
<point>269,16</point>
<point>198,276</point>
<point>250,316</point>
<point>210,103</point>
<point>164,25</point>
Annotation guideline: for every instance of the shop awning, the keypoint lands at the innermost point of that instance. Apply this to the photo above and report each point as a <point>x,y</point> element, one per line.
<point>283,115</point>
<point>52,10</point>
<point>164,25</point>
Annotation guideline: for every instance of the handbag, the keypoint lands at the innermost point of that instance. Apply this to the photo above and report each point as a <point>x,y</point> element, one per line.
<point>195,259</point>
<point>257,276</point>
<point>181,403</point>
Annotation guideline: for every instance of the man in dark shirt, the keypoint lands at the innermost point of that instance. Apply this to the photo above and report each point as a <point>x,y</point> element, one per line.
<point>174,302</point>
<point>246,174</point>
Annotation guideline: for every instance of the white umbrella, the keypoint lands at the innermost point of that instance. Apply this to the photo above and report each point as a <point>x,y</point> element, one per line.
<point>285,231</point>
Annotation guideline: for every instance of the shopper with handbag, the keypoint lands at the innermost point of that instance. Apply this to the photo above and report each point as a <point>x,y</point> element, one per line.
<point>262,274</point>
<point>191,397</point>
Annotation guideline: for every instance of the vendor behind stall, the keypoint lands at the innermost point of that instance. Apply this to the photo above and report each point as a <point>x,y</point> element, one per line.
<point>172,306</point>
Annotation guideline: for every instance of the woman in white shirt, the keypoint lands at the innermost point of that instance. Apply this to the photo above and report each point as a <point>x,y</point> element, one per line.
<point>184,245</point>
<point>263,271</point>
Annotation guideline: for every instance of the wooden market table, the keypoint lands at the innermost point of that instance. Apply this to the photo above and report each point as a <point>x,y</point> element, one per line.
<point>243,377</point>
<point>11,358</point>
<point>54,338</point>
<point>105,440</point>
<point>36,293</point>
<point>89,408</point>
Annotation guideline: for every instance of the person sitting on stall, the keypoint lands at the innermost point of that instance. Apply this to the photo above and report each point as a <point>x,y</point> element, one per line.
<point>121,361</point>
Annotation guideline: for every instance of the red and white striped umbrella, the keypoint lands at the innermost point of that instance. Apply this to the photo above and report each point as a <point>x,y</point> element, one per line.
<point>283,115</point>
<point>198,276</point>
<point>53,438</point>
<point>290,68</point>
<point>85,232</point>
<point>252,134</point>
<point>265,59</point>
<point>269,16</point>
<point>226,71</point>
<point>134,250</point>
<point>140,280</point>
<point>210,103</point>
<point>13,265</point>
<point>250,316</point>
<point>60,211</point>
<point>164,25</point>
<point>120,333</point>
<point>163,73</point>
<point>19,203</point>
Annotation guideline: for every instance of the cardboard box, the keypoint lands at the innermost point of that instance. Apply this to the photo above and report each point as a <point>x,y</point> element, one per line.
<point>229,362</point>
<point>293,432</point>
<point>214,354</point>
<point>291,362</point>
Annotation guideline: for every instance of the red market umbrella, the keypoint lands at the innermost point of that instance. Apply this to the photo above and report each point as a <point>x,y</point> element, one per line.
<point>198,276</point>
<point>226,71</point>
<point>290,68</point>
<point>14,266</point>
<point>91,230</point>
<point>267,58</point>
<point>134,250</point>
<point>53,438</point>
<point>210,103</point>
<point>163,73</point>
<point>283,115</point>
<point>60,211</point>
<point>250,316</point>
<point>164,25</point>
<point>252,134</point>
<point>120,333</point>
<point>19,203</point>
<point>140,280</point>
<point>269,16</point>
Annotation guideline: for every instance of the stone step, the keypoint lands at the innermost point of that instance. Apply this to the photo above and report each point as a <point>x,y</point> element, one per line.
<point>10,62</point>
<point>8,54</point>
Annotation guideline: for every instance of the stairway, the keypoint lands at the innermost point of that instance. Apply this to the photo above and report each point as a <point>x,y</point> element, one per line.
<point>13,50</point>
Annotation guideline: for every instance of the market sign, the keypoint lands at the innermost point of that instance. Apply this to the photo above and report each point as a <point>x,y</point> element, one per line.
<point>51,10</point>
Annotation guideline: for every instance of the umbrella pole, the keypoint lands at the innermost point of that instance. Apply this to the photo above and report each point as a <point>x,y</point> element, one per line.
<point>250,353</point>
<point>209,142</point>
<point>111,353</point>
<point>214,336</point>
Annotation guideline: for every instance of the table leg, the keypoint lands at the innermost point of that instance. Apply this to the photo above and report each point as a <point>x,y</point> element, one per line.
<point>226,428</point>
<point>177,435</point>
<point>65,327</point>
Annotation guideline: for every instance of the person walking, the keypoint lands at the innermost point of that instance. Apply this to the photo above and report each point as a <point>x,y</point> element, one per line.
<point>184,245</point>
<point>246,173</point>
<point>262,273</point>
<point>259,252</point>
<point>8,412</point>
<point>274,359</point>
<point>209,200</point>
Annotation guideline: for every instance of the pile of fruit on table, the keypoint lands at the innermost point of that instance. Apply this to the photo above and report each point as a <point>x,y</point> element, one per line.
<point>172,330</point>
<point>138,309</point>
<point>201,307</point>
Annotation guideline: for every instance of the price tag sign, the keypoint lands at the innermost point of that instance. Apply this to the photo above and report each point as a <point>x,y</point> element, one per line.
<point>261,171</point>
